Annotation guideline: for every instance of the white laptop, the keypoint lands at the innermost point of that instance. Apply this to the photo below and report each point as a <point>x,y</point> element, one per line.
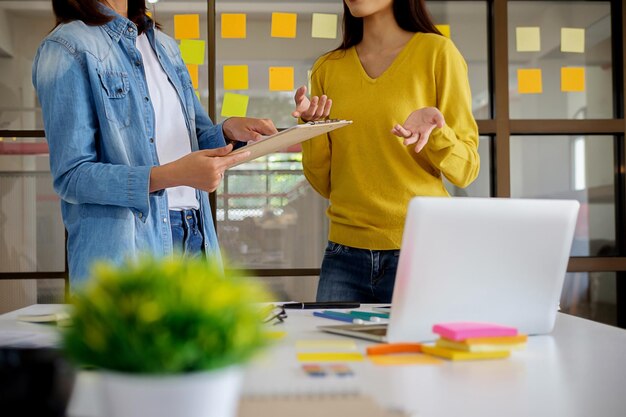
<point>477,259</point>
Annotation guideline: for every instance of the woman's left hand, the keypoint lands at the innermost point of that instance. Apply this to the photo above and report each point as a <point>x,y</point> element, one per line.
<point>418,126</point>
<point>246,129</point>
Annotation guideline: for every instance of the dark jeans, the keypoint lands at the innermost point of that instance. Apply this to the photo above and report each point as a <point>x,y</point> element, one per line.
<point>187,233</point>
<point>352,274</point>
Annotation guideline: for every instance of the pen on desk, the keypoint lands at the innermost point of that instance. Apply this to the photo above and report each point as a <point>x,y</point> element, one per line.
<point>320,305</point>
<point>337,316</point>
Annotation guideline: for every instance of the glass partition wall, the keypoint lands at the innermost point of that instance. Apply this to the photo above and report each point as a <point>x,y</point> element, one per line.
<point>547,81</point>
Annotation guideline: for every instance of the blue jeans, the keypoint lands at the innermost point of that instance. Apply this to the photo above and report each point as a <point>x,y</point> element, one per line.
<point>352,274</point>
<point>187,233</point>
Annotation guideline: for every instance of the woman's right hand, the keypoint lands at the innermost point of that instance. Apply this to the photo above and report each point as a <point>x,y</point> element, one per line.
<point>310,110</point>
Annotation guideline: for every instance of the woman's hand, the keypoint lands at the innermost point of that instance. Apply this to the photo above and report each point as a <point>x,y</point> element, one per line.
<point>309,110</point>
<point>246,129</point>
<point>418,126</point>
<point>203,170</point>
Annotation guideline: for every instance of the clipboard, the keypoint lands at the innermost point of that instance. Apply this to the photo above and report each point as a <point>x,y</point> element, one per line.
<point>288,137</point>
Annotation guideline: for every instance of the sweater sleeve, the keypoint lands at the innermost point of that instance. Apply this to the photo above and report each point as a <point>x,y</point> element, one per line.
<point>316,152</point>
<point>453,149</point>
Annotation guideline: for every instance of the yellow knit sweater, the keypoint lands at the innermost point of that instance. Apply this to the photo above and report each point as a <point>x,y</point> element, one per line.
<point>366,172</point>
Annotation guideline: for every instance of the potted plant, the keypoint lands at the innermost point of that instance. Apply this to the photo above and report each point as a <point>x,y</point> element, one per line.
<point>168,336</point>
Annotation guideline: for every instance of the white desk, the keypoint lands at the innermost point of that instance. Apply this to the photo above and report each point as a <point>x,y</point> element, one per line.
<point>578,370</point>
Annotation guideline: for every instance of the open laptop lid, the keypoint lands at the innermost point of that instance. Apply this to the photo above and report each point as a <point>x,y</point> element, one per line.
<point>481,259</point>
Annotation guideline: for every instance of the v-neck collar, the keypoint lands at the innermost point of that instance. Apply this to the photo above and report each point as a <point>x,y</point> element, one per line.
<point>397,61</point>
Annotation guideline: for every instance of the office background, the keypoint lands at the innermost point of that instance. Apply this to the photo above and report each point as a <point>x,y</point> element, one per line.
<point>538,139</point>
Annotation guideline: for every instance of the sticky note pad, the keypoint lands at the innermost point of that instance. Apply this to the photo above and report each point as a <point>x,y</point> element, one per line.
<point>485,347</point>
<point>193,73</point>
<point>324,25</point>
<point>463,330</point>
<point>573,40</point>
<point>529,81</point>
<point>186,26</point>
<point>457,355</point>
<point>233,25</point>
<point>505,340</point>
<point>192,51</point>
<point>284,25</point>
<point>405,359</point>
<point>235,77</point>
<point>329,356</point>
<point>572,79</point>
<point>444,29</point>
<point>528,39</point>
<point>235,105</point>
<point>281,78</point>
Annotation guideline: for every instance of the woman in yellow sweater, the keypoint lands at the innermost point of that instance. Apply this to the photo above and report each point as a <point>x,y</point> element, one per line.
<point>405,86</point>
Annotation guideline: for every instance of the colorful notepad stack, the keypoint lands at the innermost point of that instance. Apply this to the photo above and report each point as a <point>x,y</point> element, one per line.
<point>472,341</point>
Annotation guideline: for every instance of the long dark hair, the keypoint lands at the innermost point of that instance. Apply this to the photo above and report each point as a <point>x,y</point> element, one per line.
<point>411,15</point>
<point>91,14</point>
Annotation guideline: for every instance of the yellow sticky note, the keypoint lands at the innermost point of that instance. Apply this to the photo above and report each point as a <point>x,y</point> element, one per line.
<point>528,39</point>
<point>284,25</point>
<point>324,26</point>
<point>573,40</point>
<point>192,51</point>
<point>444,29</point>
<point>149,13</point>
<point>458,355</point>
<point>404,359</point>
<point>572,79</point>
<point>281,78</point>
<point>235,105</point>
<point>336,344</point>
<point>186,26</point>
<point>529,81</point>
<point>235,77</point>
<point>197,94</point>
<point>193,73</point>
<point>233,25</point>
<point>330,357</point>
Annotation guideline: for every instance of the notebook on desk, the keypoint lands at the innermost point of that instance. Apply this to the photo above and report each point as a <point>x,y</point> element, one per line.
<point>477,259</point>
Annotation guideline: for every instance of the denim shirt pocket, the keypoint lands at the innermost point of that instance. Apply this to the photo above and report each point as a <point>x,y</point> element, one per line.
<point>115,97</point>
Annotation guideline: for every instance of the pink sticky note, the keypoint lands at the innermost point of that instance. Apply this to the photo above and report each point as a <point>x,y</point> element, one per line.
<point>465,330</point>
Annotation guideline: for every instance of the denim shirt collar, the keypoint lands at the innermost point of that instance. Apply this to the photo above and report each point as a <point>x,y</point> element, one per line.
<point>121,26</point>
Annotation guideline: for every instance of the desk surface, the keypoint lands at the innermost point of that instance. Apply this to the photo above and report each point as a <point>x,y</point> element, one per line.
<point>578,370</point>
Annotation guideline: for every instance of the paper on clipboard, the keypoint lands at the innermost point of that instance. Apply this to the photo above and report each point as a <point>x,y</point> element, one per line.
<point>289,137</point>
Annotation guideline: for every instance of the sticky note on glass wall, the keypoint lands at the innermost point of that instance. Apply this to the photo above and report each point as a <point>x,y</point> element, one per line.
<point>192,51</point>
<point>529,81</point>
<point>235,77</point>
<point>233,25</point>
<point>186,26</point>
<point>444,29</point>
<point>197,94</point>
<point>573,40</point>
<point>281,78</point>
<point>235,105</point>
<point>193,73</point>
<point>528,39</point>
<point>572,79</point>
<point>324,25</point>
<point>284,25</point>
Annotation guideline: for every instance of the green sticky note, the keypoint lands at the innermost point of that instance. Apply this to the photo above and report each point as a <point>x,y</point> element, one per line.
<point>235,105</point>
<point>192,51</point>
<point>528,39</point>
<point>324,26</point>
<point>573,40</point>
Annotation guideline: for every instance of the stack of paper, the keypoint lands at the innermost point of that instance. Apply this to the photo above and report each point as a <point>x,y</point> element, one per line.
<point>471,341</point>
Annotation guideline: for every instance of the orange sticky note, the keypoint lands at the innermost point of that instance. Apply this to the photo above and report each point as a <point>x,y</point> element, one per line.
<point>193,73</point>
<point>233,25</point>
<point>404,359</point>
<point>186,26</point>
<point>235,77</point>
<point>284,25</point>
<point>324,25</point>
<point>235,105</point>
<point>444,29</point>
<point>281,78</point>
<point>573,40</point>
<point>572,79</point>
<point>192,51</point>
<point>149,13</point>
<point>529,81</point>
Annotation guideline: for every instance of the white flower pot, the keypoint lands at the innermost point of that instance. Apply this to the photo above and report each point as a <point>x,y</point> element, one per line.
<point>200,394</point>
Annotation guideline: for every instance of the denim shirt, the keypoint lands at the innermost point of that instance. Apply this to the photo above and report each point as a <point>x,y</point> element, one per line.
<point>99,123</point>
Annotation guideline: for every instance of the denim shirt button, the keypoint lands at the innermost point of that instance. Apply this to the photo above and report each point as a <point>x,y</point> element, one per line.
<point>140,215</point>
<point>147,98</point>
<point>151,140</point>
<point>138,63</point>
<point>164,219</point>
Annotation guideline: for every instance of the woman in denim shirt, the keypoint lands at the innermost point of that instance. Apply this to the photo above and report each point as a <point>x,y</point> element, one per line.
<point>132,152</point>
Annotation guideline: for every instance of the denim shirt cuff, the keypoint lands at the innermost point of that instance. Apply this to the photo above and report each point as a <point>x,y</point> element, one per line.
<point>138,190</point>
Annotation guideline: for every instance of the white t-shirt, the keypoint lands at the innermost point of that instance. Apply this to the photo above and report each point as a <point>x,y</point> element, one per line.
<point>171,136</point>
